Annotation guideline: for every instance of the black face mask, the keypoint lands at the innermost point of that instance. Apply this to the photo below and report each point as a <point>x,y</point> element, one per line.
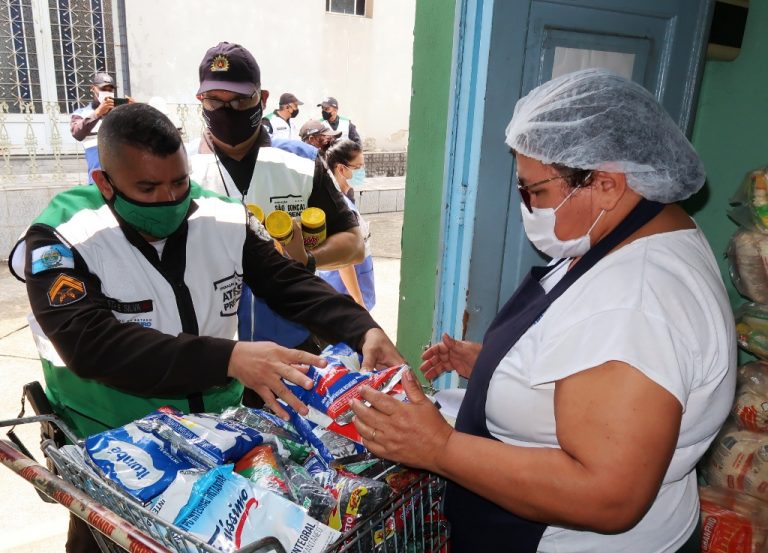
<point>231,126</point>
<point>295,113</point>
<point>326,115</point>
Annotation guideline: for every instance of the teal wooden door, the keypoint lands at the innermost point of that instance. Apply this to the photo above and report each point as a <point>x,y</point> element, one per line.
<point>503,50</point>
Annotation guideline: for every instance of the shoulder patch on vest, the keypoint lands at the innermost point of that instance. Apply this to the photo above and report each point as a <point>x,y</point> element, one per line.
<point>55,256</point>
<point>258,228</point>
<point>66,289</point>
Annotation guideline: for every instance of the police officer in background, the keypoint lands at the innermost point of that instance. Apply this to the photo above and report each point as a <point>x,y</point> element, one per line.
<point>330,113</point>
<point>281,123</point>
<point>85,122</point>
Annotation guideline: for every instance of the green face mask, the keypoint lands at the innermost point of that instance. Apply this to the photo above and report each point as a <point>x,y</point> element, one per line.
<point>155,219</point>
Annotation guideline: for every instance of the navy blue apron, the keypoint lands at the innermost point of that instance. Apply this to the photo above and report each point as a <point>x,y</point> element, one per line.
<point>476,523</point>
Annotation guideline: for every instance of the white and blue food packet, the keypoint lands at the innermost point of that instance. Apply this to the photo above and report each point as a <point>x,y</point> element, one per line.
<point>228,512</point>
<point>136,460</point>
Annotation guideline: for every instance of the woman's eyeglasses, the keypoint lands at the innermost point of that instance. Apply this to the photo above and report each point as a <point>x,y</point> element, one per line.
<point>238,104</point>
<point>525,195</point>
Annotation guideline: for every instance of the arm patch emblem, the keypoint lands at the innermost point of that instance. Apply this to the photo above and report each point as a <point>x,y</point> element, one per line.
<point>66,289</point>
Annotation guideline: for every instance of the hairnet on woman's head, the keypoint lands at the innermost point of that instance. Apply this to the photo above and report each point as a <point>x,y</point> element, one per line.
<point>595,119</point>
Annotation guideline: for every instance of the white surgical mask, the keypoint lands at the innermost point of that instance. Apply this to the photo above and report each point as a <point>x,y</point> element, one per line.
<point>103,95</point>
<point>539,226</point>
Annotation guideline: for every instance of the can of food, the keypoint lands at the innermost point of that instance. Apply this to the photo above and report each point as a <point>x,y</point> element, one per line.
<point>313,227</point>
<point>256,211</point>
<point>280,226</point>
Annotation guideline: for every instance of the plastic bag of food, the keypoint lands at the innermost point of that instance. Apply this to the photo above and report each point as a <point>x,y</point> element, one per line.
<point>228,512</point>
<point>309,494</point>
<point>750,409</point>
<point>749,206</point>
<point>169,504</point>
<point>748,264</point>
<point>752,328</point>
<point>262,467</point>
<point>208,438</point>
<point>289,443</point>
<point>356,498</point>
<point>732,523</point>
<point>137,461</point>
<point>738,460</point>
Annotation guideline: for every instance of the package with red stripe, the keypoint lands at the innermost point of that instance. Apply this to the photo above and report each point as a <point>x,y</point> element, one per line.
<point>751,406</point>
<point>738,460</point>
<point>732,523</point>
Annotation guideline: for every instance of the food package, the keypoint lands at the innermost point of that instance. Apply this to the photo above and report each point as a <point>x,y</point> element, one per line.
<point>262,467</point>
<point>274,429</point>
<point>748,262</point>
<point>309,494</point>
<point>732,523</point>
<point>752,329</point>
<point>750,409</point>
<point>738,460</point>
<point>749,206</point>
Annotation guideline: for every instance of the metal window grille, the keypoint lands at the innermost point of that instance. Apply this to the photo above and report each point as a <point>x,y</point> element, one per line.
<point>352,7</point>
<point>83,44</point>
<point>19,74</point>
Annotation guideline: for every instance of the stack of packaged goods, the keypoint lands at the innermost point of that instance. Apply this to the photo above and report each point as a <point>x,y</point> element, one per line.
<point>734,505</point>
<point>235,477</point>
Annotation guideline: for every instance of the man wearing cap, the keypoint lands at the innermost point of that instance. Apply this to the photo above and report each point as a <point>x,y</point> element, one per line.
<point>281,123</point>
<point>330,113</point>
<point>319,135</point>
<point>85,122</point>
<point>235,157</point>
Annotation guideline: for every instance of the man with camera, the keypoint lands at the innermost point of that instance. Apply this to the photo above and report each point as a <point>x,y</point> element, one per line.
<point>85,122</point>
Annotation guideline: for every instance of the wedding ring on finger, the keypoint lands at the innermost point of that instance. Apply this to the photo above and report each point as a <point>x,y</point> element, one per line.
<point>373,435</point>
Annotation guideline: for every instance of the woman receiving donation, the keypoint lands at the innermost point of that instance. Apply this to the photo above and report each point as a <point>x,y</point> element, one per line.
<point>605,377</point>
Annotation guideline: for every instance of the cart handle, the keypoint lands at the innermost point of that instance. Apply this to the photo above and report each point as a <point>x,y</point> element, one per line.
<point>111,525</point>
<point>71,436</point>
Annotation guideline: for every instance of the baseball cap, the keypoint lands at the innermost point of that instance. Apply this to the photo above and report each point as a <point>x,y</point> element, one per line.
<point>329,101</point>
<point>288,98</point>
<point>103,79</point>
<point>230,67</point>
<point>311,128</point>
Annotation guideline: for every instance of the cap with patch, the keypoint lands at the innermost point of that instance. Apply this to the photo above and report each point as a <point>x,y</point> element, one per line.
<point>288,98</point>
<point>103,79</point>
<point>312,128</point>
<point>229,67</point>
<point>329,101</point>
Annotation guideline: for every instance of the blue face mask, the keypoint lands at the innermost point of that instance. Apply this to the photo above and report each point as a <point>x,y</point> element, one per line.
<point>358,175</point>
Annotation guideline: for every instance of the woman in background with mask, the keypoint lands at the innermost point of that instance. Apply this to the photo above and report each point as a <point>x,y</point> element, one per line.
<point>344,160</point>
<point>606,376</point>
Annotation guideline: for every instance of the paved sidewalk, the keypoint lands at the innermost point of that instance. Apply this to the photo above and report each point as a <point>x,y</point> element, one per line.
<point>27,525</point>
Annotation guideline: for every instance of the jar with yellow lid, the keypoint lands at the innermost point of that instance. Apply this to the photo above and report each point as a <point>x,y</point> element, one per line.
<point>280,226</point>
<point>256,211</point>
<point>313,227</point>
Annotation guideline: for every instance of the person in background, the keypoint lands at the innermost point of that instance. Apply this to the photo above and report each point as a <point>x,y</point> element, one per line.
<point>235,157</point>
<point>608,373</point>
<point>281,123</point>
<point>84,122</point>
<point>319,135</point>
<point>134,284</point>
<point>343,159</point>
<point>330,112</point>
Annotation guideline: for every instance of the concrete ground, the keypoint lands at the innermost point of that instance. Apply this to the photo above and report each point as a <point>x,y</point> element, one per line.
<point>27,525</point>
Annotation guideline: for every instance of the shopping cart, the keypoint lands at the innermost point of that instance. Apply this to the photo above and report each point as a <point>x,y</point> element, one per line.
<point>408,523</point>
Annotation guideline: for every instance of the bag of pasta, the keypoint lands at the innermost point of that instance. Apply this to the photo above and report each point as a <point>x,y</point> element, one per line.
<point>732,523</point>
<point>748,264</point>
<point>752,329</point>
<point>750,409</point>
<point>738,461</point>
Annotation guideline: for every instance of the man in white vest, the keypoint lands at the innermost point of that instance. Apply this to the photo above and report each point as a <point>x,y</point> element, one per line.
<point>330,112</point>
<point>84,122</point>
<point>235,157</point>
<point>281,123</point>
<point>134,284</point>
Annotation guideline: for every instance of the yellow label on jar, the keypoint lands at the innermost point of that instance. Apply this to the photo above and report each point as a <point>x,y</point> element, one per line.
<point>279,226</point>
<point>313,227</point>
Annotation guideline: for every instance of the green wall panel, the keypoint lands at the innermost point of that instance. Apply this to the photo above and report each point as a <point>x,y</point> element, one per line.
<point>730,132</point>
<point>432,51</point>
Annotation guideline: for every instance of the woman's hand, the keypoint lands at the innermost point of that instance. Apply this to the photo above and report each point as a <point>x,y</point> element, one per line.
<point>378,351</point>
<point>261,366</point>
<point>414,433</point>
<point>450,355</point>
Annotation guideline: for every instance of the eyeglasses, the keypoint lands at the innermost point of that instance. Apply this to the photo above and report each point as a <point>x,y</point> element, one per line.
<point>238,104</point>
<point>525,195</point>
<point>355,168</point>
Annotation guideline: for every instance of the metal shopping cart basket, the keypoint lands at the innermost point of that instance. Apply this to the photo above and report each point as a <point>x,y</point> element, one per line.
<point>406,524</point>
